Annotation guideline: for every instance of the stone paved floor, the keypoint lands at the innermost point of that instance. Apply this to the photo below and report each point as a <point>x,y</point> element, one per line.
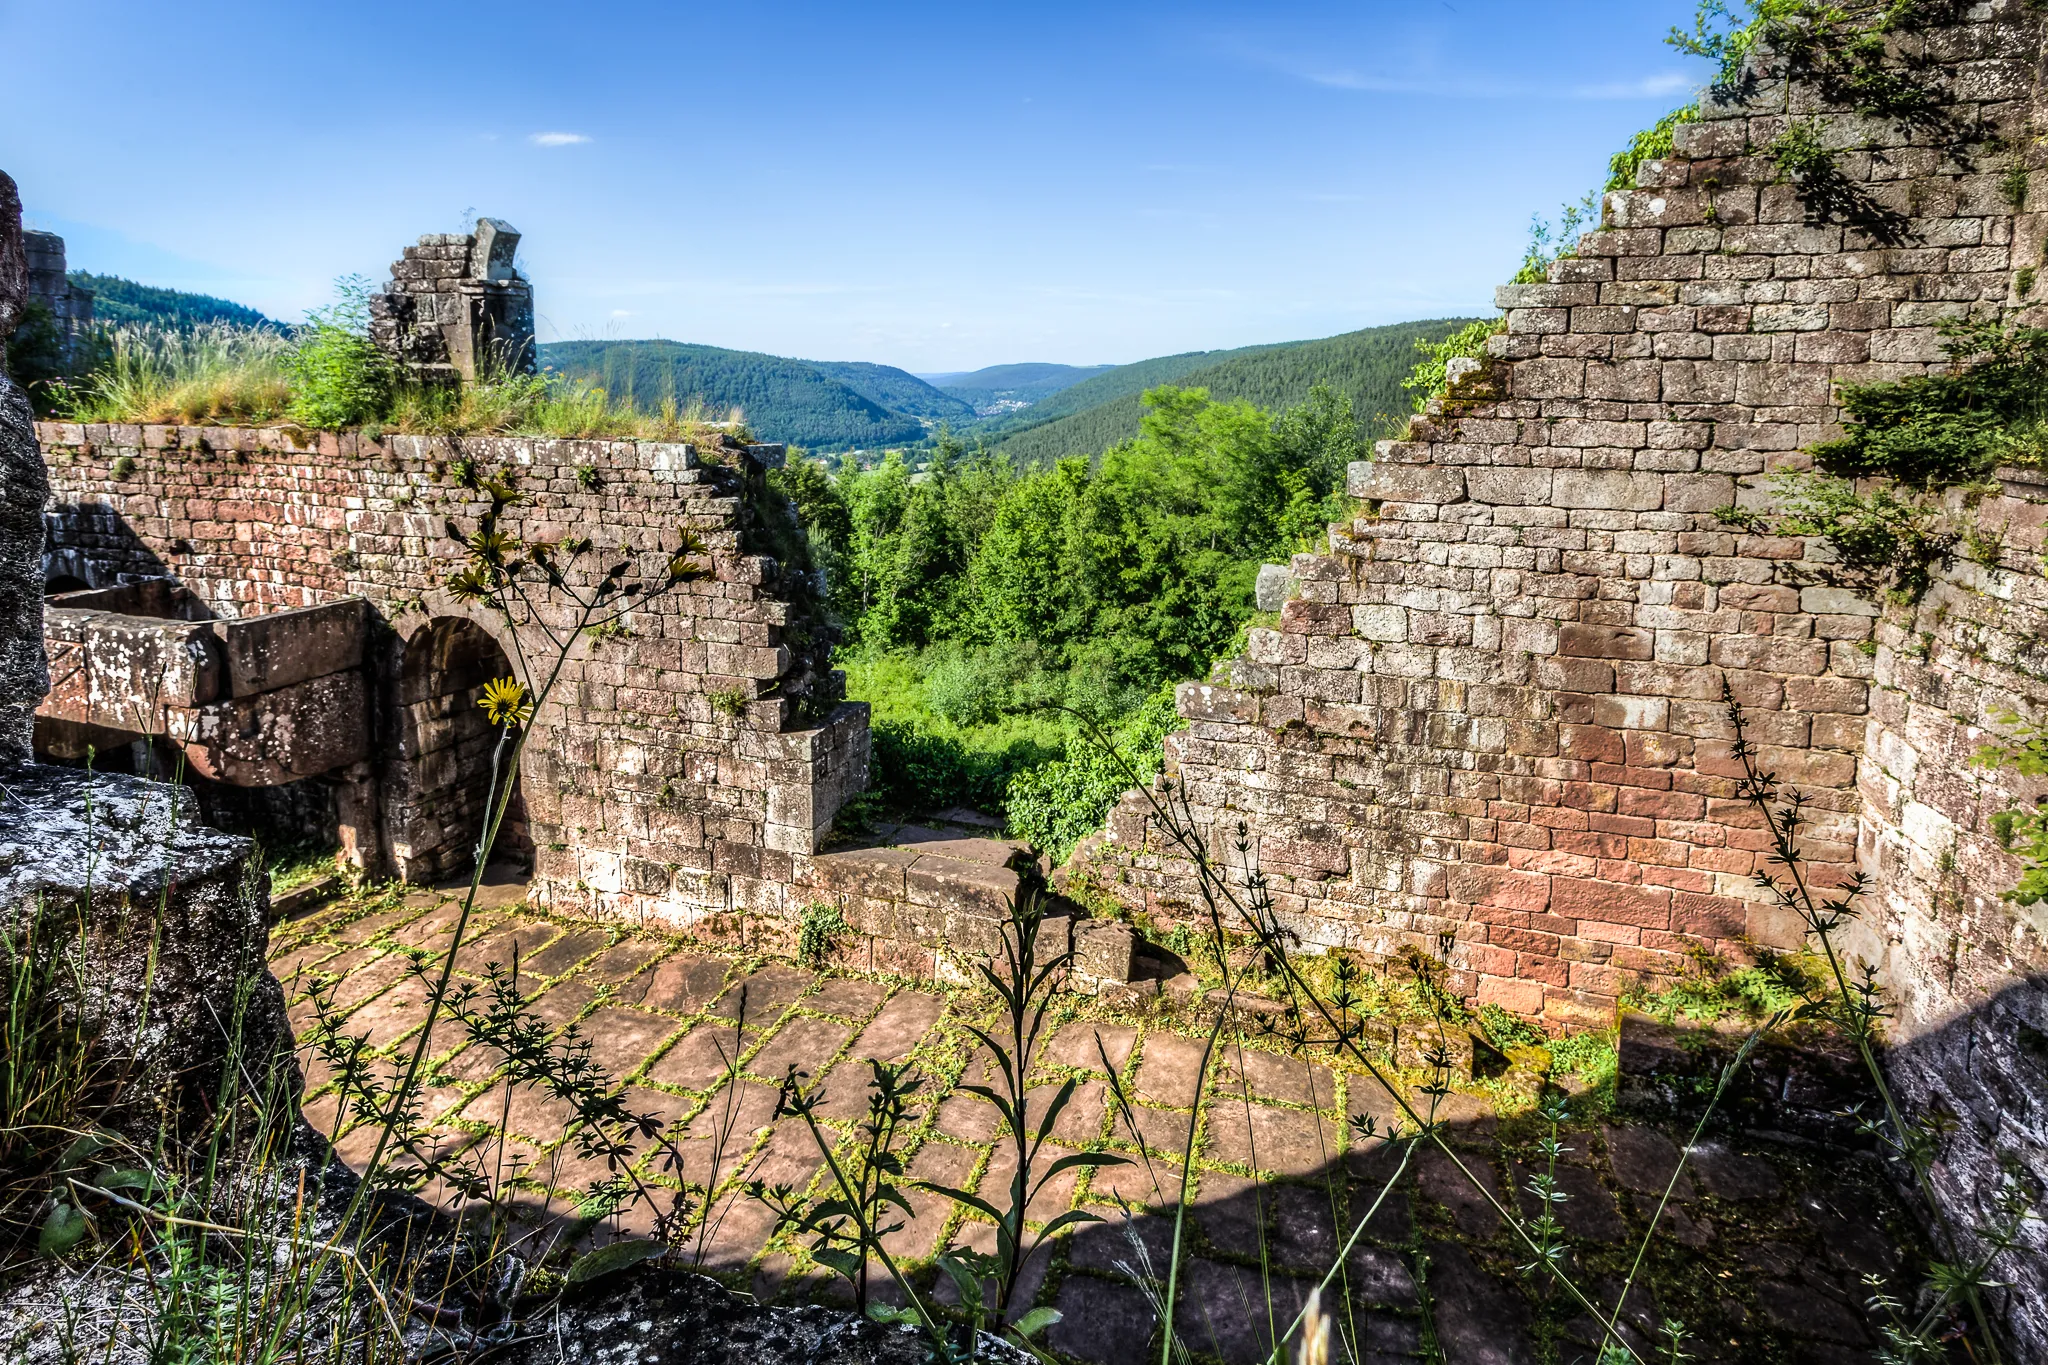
<point>1764,1259</point>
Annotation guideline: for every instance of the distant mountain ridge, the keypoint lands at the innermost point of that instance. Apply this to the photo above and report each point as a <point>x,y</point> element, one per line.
<point>1000,389</point>
<point>1366,365</point>
<point>782,399</point>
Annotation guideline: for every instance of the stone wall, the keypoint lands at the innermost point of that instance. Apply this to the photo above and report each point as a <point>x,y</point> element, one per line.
<point>1493,709</point>
<point>674,774</point>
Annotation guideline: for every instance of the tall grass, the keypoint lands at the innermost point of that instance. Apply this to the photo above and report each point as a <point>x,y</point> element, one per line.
<point>213,372</point>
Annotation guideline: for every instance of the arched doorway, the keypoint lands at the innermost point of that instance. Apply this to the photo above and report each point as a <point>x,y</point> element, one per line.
<point>446,745</point>
<point>64,582</point>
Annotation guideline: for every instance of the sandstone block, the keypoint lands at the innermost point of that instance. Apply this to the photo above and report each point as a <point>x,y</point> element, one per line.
<point>1610,489</point>
<point>1406,483</point>
<point>278,649</point>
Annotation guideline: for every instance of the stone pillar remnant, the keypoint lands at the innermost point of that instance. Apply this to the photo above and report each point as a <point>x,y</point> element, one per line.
<point>456,309</point>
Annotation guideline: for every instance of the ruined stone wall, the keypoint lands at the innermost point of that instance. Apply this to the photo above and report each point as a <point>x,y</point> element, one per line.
<point>672,774</point>
<point>1493,710</point>
<point>456,308</point>
<point>1966,969</point>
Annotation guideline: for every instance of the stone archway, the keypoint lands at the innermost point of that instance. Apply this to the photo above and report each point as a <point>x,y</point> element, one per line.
<point>445,749</point>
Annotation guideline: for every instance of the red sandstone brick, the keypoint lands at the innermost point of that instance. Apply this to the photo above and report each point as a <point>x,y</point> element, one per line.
<point>1499,886</point>
<point>1645,907</point>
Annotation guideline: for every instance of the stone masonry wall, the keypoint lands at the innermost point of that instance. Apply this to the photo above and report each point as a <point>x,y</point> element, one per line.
<point>644,797</point>
<point>1494,710</point>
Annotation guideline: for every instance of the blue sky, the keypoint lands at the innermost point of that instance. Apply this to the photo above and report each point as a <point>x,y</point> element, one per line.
<point>933,186</point>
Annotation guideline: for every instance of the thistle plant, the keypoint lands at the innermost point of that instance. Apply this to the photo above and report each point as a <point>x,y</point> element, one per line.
<point>1024,980</point>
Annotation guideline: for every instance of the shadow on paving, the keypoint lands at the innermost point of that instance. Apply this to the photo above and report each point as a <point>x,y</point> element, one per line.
<point>1762,1254</point>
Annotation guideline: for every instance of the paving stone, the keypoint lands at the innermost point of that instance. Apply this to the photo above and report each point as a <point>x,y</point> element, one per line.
<point>1169,1070</point>
<point>564,953</point>
<point>622,1039</point>
<point>1302,1228</point>
<point>790,1158</point>
<point>1365,1095</point>
<point>743,1227</point>
<point>1379,1276</point>
<point>894,1034</point>
<point>762,997</point>
<point>942,1164</point>
<point>531,1112</point>
<point>1441,1182</point>
<point>1479,1319</point>
<point>1728,1174</point>
<point>1688,1225</point>
<point>433,929</point>
<point>682,984</point>
<point>1074,1045</point>
<point>642,1100</point>
<point>727,1128</point>
<point>1110,1324</point>
<point>508,945</point>
<point>848,997</point>
<point>701,1058</point>
<point>1053,1198</point>
<point>623,959</point>
<point>1798,1309</point>
<point>1164,1131</point>
<point>1231,1211</point>
<point>1080,1121</point>
<point>1587,1212</point>
<point>387,1018</point>
<point>1280,1141</point>
<point>361,983</point>
<point>1099,1246</point>
<point>1849,1228</point>
<point>1142,1182</point>
<point>1643,1159</point>
<point>805,1043</point>
<point>1223,1309</point>
<point>366,927</point>
<point>1271,1077</point>
<point>564,1001</point>
<point>969,1118</point>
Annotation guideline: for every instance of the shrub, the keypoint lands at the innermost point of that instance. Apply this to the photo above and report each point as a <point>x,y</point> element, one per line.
<point>1652,144</point>
<point>820,928</point>
<point>1056,804</point>
<point>338,378</point>
<point>1428,379</point>
<point>1948,428</point>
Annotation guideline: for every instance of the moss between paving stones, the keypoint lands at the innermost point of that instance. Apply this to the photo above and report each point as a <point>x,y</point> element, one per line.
<point>1779,1265</point>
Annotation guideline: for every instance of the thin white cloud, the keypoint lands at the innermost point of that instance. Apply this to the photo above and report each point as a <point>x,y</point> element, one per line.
<point>1646,87</point>
<point>556,139</point>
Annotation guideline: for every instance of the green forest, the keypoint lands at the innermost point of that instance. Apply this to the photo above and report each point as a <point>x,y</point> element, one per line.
<point>992,611</point>
<point>781,399</point>
<point>116,300</point>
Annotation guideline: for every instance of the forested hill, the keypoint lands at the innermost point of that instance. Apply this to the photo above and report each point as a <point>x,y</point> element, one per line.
<point>1366,366</point>
<point>897,390</point>
<point>116,300</point>
<point>783,399</point>
<point>1120,381</point>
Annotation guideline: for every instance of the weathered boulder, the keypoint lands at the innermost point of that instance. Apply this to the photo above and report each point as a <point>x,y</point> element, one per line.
<point>165,921</point>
